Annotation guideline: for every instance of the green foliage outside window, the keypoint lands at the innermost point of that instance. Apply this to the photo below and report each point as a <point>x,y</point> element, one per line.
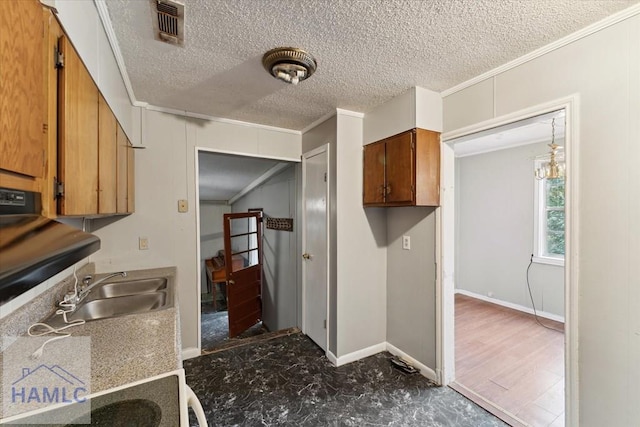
<point>554,198</point>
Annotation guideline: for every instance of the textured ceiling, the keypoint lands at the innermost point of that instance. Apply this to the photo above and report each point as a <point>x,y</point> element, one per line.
<point>222,176</point>
<point>367,51</point>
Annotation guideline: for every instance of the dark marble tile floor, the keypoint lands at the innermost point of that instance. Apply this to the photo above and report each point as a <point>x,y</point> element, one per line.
<point>214,327</point>
<point>287,381</point>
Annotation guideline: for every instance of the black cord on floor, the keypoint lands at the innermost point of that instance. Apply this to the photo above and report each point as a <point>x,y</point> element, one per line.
<point>535,313</point>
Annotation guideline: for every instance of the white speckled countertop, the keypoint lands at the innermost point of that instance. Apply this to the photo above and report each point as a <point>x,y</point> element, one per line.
<point>128,348</point>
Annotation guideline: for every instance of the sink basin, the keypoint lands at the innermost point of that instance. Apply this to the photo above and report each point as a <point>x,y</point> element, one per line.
<point>113,299</point>
<point>119,306</point>
<point>129,287</point>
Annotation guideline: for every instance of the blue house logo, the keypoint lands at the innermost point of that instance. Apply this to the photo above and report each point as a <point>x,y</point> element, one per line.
<point>48,385</point>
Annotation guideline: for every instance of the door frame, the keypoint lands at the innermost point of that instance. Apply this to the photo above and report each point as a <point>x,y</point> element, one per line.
<point>195,352</point>
<point>305,157</point>
<point>445,246</point>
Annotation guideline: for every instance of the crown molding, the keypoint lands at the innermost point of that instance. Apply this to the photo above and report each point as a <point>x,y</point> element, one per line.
<point>103,12</point>
<point>185,113</point>
<point>342,112</point>
<point>580,34</point>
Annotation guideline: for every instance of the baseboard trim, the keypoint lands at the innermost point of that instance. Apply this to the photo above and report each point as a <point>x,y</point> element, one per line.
<point>190,353</point>
<point>424,369</point>
<point>360,354</point>
<point>379,348</point>
<point>332,358</point>
<point>511,305</point>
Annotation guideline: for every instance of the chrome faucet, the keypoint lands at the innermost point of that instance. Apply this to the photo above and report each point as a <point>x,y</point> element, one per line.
<point>88,285</point>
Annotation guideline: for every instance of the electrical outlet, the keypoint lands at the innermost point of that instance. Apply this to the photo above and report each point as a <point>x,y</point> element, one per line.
<point>183,206</point>
<point>406,242</point>
<point>143,243</point>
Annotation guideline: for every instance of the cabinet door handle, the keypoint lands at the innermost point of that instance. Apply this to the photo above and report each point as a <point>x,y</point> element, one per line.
<point>388,189</point>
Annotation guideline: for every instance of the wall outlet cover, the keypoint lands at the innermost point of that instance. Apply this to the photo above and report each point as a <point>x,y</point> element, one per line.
<point>143,243</point>
<point>406,242</point>
<point>183,206</point>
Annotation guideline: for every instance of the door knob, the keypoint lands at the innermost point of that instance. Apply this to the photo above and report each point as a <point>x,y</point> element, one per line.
<point>231,281</point>
<point>306,256</point>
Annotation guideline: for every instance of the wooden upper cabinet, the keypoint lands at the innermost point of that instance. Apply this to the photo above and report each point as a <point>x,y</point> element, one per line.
<point>54,32</point>
<point>374,173</point>
<point>403,170</point>
<point>22,88</point>
<point>107,158</point>
<point>427,168</point>
<point>77,135</point>
<point>401,177</point>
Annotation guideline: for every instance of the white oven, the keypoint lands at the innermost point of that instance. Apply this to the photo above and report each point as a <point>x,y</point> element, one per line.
<point>160,401</point>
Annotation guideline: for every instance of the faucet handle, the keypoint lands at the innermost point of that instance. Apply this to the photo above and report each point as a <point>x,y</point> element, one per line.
<point>87,279</point>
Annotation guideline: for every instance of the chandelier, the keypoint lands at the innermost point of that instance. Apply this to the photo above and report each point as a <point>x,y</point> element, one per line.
<point>553,168</point>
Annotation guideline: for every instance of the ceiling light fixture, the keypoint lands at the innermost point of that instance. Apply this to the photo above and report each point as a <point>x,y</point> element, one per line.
<point>552,169</point>
<point>289,64</point>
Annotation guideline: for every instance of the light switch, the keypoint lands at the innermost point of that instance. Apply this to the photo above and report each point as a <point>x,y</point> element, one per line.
<point>183,206</point>
<point>406,242</point>
<point>143,243</point>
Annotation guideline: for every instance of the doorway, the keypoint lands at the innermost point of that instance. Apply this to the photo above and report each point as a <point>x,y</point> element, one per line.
<point>315,244</point>
<point>235,184</point>
<point>453,261</point>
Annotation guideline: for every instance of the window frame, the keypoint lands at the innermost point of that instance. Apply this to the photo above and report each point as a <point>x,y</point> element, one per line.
<point>540,220</point>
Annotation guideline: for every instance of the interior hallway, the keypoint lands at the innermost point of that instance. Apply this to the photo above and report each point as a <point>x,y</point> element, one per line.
<point>506,357</point>
<point>288,381</point>
<point>214,327</point>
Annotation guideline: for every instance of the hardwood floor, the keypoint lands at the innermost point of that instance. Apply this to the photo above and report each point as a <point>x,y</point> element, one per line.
<point>505,357</point>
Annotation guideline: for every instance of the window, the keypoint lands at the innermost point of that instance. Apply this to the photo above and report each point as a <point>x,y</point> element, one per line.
<point>549,244</point>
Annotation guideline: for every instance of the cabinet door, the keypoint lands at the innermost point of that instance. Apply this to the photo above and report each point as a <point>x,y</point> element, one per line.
<point>107,148</point>
<point>54,32</point>
<point>78,135</point>
<point>122,180</point>
<point>427,149</point>
<point>373,174</point>
<point>400,169</point>
<point>22,88</point>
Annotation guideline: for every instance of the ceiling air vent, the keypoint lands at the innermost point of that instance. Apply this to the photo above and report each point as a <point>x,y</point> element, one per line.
<point>168,21</point>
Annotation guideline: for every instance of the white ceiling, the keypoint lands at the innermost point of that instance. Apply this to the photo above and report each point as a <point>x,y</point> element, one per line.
<point>223,176</point>
<point>367,51</point>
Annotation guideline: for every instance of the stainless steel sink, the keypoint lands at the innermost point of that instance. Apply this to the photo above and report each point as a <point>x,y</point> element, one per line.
<point>119,306</point>
<point>113,299</point>
<point>129,287</point>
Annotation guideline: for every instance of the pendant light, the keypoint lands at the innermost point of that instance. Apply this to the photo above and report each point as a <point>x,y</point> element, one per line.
<point>552,169</point>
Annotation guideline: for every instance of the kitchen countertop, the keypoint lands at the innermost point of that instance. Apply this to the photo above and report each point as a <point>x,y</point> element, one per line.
<point>132,347</point>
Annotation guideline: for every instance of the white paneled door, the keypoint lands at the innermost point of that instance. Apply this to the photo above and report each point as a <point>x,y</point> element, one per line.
<point>315,243</point>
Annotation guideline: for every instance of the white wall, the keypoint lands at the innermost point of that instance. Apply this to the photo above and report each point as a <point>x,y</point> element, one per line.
<point>211,234</point>
<point>410,275</point>
<point>278,199</point>
<point>604,70</point>
<point>411,283</point>
<point>417,107</point>
<point>495,230</point>
<point>361,248</point>
<point>165,173</point>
